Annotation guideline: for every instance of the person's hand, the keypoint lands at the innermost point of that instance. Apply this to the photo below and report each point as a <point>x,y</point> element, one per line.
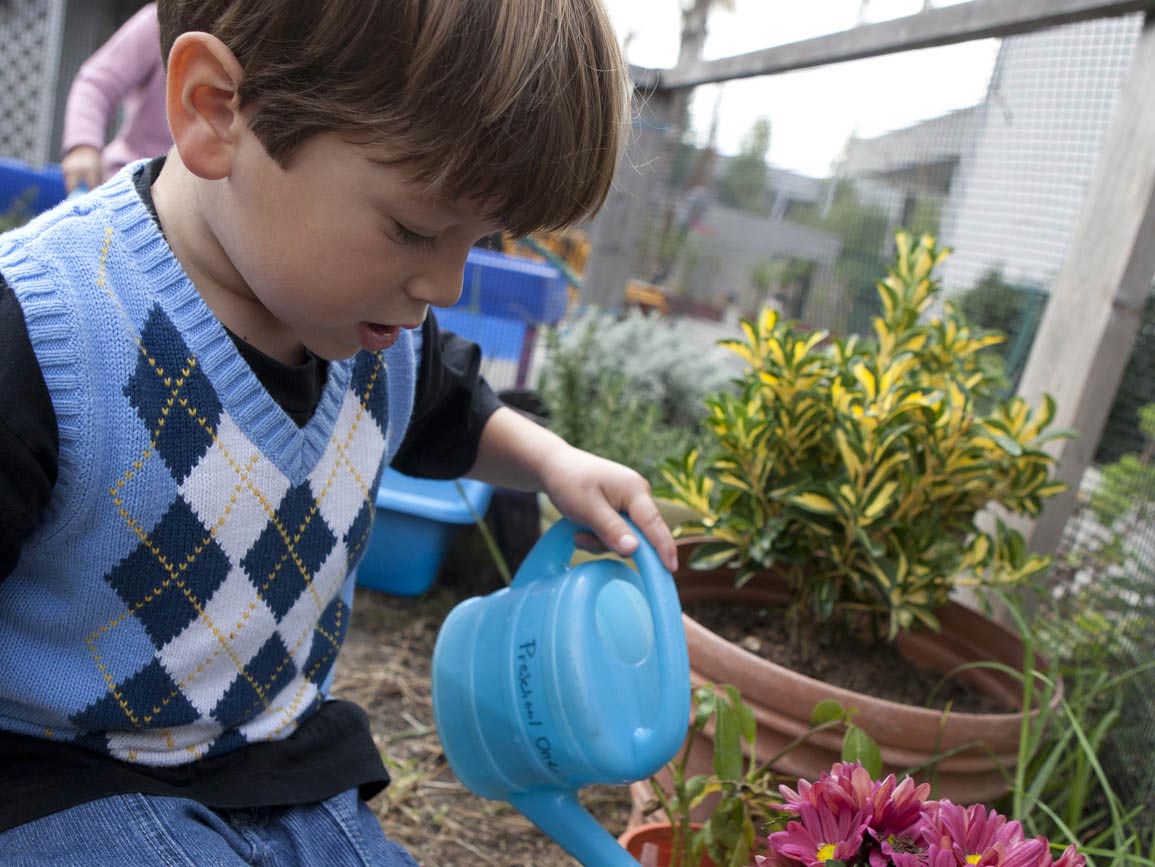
<point>593,491</point>
<point>82,165</point>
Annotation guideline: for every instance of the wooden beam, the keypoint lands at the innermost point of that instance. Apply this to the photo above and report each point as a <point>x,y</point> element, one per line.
<point>977,19</point>
<point>1088,331</point>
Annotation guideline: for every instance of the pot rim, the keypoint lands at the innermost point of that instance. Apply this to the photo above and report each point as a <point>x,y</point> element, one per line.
<point>850,696</point>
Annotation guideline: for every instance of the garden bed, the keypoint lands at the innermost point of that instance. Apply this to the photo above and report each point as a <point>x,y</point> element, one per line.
<point>384,667</point>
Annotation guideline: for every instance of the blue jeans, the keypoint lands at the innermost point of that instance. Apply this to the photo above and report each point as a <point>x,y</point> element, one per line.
<point>147,831</point>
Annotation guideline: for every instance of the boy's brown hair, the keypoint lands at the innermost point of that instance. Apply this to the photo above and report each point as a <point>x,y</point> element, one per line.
<point>519,103</point>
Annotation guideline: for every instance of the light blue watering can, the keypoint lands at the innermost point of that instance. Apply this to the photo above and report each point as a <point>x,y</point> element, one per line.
<point>570,676</point>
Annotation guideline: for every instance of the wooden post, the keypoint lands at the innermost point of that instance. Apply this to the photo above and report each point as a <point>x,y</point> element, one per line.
<point>616,230</point>
<point>1089,328</point>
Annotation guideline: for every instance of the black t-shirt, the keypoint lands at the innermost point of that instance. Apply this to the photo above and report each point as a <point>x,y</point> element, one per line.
<point>332,751</point>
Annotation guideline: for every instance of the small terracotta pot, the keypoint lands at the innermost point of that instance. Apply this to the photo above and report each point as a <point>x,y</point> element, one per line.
<point>659,833</point>
<point>907,735</point>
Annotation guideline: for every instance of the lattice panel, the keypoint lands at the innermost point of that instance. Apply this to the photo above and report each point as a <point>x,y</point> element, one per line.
<point>29,61</point>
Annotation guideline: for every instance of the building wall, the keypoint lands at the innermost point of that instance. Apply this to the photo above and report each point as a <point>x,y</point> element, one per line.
<point>729,244</point>
<point>1021,187</point>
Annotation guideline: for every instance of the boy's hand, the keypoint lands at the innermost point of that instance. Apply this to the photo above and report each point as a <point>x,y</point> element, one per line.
<point>593,491</point>
<point>516,453</point>
<point>82,167</point>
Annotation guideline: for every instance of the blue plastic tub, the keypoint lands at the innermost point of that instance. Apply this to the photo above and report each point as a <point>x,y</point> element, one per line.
<point>513,288</point>
<point>499,338</point>
<point>416,519</point>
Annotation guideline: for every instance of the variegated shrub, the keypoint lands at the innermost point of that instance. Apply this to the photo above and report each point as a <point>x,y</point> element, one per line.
<point>855,468</point>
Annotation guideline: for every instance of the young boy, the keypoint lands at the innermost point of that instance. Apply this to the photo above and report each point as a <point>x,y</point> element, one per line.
<point>204,365</point>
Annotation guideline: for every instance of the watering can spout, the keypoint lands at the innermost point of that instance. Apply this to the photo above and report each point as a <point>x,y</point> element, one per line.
<point>562,817</point>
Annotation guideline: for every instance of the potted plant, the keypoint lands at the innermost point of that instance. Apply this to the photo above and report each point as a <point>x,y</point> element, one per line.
<point>714,819</point>
<point>840,485</point>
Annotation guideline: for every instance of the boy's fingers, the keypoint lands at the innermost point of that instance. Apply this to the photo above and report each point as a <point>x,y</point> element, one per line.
<point>590,542</point>
<point>649,520</point>
<point>622,539</point>
<point>613,531</point>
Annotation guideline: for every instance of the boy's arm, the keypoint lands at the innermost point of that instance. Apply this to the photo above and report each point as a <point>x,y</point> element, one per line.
<point>514,452</point>
<point>28,437</point>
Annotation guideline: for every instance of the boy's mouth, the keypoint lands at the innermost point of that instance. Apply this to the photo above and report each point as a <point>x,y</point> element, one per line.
<point>374,337</point>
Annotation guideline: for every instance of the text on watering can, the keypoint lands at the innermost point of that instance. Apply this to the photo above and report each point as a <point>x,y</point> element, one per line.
<point>525,652</point>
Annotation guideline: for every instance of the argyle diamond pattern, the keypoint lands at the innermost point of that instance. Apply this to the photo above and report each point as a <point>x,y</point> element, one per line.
<point>239,583</point>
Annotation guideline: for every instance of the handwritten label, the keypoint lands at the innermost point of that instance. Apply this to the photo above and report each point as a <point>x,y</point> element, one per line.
<point>526,651</point>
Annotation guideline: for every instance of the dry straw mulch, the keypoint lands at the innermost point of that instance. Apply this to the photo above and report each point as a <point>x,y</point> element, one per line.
<point>385,668</point>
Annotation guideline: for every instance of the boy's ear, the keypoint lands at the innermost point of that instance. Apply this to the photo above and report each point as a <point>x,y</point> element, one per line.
<point>203,95</point>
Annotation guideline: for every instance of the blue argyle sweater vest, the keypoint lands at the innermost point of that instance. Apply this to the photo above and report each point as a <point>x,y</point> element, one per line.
<point>191,584</point>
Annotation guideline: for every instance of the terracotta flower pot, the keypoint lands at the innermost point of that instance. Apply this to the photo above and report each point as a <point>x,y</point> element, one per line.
<point>907,735</point>
<point>660,834</point>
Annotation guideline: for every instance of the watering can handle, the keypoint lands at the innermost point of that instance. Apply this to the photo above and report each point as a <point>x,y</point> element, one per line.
<point>552,555</point>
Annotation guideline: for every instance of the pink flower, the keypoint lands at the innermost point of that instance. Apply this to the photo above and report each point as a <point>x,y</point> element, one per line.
<point>980,838</point>
<point>847,816</point>
<point>970,832</point>
<point>820,835</point>
<point>847,786</point>
<point>1071,858</point>
<point>908,859</point>
<point>893,807</point>
<point>893,811</point>
<point>896,808</point>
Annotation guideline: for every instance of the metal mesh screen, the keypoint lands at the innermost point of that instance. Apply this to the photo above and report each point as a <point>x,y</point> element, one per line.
<point>29,53</point>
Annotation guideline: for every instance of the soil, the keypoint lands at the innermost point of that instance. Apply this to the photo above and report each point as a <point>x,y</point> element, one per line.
<point>384,667</point>
<point>875,668</point>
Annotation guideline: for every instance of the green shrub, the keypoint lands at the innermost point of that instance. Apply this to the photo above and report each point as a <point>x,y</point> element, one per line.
<point>627,388</point>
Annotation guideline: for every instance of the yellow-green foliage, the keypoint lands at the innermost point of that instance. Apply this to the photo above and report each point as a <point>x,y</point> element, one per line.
<point>856,468</point>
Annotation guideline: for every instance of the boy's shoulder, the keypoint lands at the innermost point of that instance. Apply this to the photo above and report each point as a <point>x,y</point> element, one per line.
<point>53,227</point>
<point>82,228</point>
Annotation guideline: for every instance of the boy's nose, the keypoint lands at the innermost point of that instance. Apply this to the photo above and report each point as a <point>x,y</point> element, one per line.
<point>439,284</point>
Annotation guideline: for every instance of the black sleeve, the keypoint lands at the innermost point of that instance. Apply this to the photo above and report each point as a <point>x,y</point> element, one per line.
<point>452,405</point>
<point>29,441</point>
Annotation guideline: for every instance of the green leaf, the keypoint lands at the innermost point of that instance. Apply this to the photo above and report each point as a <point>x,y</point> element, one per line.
<point>812,502</point>
<point>705,701</point>
<point>827,710</point>
<point>727,744</point>
<point>695,786</point>
<point>1062,433</point>
<point>712,555</point>
<point>1008,444</point>
<point>858,746</point>
<point>747,724</point>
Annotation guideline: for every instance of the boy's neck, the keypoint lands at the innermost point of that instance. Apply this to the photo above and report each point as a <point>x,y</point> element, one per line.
<point>179,197</point>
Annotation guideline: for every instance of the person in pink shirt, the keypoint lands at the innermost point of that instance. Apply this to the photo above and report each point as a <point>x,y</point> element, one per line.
<point>126,70</point>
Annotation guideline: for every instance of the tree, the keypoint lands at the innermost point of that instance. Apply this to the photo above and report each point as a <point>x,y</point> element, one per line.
<point>744,185</point>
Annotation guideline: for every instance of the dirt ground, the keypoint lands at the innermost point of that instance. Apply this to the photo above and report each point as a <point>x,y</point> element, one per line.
<point>385,668</point>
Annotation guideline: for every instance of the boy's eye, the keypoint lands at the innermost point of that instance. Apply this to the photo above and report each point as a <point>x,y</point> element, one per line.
<point>413,239</point>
